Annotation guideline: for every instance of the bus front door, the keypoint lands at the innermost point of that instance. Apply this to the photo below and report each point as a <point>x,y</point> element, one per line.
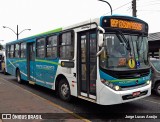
<point>31,62</point>
<point>87,64</point>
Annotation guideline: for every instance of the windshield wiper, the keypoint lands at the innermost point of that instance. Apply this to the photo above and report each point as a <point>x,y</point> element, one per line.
<point>124,40</point>
<point>139,42</point>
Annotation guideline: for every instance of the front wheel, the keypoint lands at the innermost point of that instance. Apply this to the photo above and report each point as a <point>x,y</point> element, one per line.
<point>64,90</point>
<point>157,89</point>
<point>18,77</point>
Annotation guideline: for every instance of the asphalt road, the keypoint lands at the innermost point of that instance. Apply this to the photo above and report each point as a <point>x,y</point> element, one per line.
<point>93,112</point>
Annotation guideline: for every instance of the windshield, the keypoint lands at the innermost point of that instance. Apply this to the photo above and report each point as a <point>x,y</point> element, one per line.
<point>122,55</point>
<point>156,64</point>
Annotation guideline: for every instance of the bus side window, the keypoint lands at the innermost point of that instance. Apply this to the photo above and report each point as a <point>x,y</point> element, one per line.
<point>22,50</point>
<point>51,47</point>
<point>40,48</point>
<point>66,46</point>
<point>7,51</point>
<point>12,51</point>
<point>17,50</point>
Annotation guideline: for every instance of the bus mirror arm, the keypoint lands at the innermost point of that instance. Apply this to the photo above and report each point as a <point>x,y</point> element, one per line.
<point>101,31</point>
<point>102,49</point>
<point>100,40</point>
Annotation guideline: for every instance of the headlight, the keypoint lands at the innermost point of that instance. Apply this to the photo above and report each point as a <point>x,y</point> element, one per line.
<point>111,85</point>
<point>117,88</point>
<point>148,82</point>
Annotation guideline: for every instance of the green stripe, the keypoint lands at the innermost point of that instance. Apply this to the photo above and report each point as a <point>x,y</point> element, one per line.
<point>16,61</point>
<point>49,32</point>
<point>50,62</point>
<point>118,80</point>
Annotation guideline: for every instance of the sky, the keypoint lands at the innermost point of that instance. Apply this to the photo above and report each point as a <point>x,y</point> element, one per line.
<point>44,15</point>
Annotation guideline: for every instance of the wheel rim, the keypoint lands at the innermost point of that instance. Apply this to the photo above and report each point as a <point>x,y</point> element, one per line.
<point>158,90</point>
<point>64,90</point>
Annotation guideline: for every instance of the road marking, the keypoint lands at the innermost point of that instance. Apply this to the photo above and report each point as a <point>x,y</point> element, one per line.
<point>53,104</point>
<point>150,101</point>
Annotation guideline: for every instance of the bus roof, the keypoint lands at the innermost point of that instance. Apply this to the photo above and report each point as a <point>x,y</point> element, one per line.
<point>95,20</point>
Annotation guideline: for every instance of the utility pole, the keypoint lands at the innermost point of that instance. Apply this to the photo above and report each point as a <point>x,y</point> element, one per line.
<point>17,33</point>
<point>134,10</point>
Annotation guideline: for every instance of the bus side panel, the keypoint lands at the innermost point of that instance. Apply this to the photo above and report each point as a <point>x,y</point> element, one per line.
<point>45,71</point>
<point>22,65</point>
<point>13,64</point>
<point>10,66</point>
<point>68,73</point>
<point>51,72</point>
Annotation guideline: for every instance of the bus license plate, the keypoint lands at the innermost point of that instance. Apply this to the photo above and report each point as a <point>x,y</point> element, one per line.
<point>136,93</point>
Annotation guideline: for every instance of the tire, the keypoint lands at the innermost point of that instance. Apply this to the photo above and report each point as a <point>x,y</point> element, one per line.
<point>64,90</point>
<point>157,89</point>
<point>19,80</point>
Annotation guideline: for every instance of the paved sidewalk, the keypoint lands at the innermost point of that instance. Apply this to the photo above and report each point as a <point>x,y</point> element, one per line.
<point>14,99</point>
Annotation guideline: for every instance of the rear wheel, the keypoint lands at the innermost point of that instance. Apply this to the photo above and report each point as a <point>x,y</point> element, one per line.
<point>157,89</point>
<point>64,90</point>
<point>18,77</point>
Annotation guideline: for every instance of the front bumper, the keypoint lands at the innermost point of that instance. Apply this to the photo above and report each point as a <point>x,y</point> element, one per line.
<point>108,96</point>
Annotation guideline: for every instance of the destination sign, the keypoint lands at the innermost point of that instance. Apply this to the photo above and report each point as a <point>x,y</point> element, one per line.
<point>124,24</point>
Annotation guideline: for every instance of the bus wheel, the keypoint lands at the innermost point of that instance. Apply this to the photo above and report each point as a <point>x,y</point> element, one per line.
<point>64,90</point>
<point>157,89</point>
<point>18,77</point>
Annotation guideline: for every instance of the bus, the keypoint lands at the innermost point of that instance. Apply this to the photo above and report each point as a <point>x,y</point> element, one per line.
<point>81,60</point>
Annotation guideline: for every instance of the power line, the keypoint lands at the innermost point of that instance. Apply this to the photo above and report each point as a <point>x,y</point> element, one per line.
<point>150,10</point>
<point>149,1</point>
<point>120,7</point>
<point>148,5</point>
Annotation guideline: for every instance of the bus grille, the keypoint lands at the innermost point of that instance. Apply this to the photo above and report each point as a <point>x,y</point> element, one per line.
<point>133,75</point>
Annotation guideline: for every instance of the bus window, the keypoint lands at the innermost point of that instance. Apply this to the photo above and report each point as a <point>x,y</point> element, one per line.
<point>40,48</point>
<point>17,50</point>
<point>11,51</point>
<point>8,51</point>
<point>51,46</point>
<point>66,46</point>
<point>23,50</point>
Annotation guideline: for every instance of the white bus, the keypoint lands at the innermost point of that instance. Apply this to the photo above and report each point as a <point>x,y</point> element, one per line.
<point>102,60</point>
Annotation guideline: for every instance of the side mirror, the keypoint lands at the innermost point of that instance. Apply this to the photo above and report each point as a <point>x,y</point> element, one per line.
<point>100,40</point>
